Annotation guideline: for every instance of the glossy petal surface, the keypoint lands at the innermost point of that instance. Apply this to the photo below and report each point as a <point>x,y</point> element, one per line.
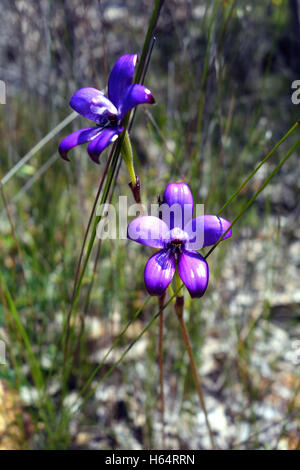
<point>148,230</point>
<point>135,95</point>
<point>194,273</point>
<point>92,104</point>
<point>179,199</point>
<point>106,137</point>
<point>159,272</point>
<point>121,78</point>
<point>205,230</point>
<point>77,138</point>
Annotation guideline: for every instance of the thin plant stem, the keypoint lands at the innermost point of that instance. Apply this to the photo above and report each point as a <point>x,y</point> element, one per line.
<point>249,177</point>
<point>116,153</point>
<point>173,295</point>
<point>128,158</point>
<point>161,302</point>
<point>111,172</point>
<point>103,40</point>
<point>153,40</point>
<point>82,251</point>
<point>88,296</point>
<point>179,308</point>
<point>140,69</point>
<point>186,338</point>
<point>256,194</point>
<point>165,142</point>
<point>203,87</point>
<point>147,43</point>
<point>84,393</point>
<point>38,147</point>
<point>66,369</point>
<point>90,220</point>
<point>110,370</point>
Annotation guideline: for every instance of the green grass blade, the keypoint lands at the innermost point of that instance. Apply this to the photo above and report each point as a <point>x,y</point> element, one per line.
<point>243,184</point>
<point>33,363</point>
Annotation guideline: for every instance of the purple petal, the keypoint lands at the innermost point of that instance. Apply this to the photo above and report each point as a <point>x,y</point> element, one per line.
<point>159,272</point>
<point>135,95</point>
<point>92,104</point>
<point>178,193</point>
<point>106,137</point>
<point>179,198</point>
<point>148,230</point>
<point>121,78</point>
<point>205,230</point>
<point>193,270</point>
<point>77,138</point>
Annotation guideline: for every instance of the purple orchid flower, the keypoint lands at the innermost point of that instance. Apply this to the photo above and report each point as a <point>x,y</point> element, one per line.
<point>176,239</point>
<point>106,112</point>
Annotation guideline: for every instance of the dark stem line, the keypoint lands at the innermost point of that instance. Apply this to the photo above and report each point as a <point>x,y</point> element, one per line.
<point>82,251</point>
<point>142,66</point>
<point>172,297</point>
<point>112,169</point>
<point>143,78</point>
<point>88,296</point>
<point>103,41</point>
<point>117,174</point>
<point>116,155</point>
<point>261,188</point>
<point>246,180</point>
<point>79,346</point>
<point>90,221</point>
<point>152,25</point>
<point>179,311</point>
<point>161,302</point>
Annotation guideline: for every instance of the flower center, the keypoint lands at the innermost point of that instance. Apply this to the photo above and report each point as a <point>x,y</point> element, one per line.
<point>176,239</point>
<point>113,120</point>
<point>106,112</point>
<point>108,120</point>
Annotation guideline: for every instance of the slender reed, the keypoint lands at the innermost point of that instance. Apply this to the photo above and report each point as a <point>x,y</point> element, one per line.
<point>161,302</point>
<point>112,162</point>
<point>82,251</point>
<point>179,309</point>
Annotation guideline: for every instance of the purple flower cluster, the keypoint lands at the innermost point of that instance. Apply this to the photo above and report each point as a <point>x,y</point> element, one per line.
<point>107,113</point>
<point>175,238</point>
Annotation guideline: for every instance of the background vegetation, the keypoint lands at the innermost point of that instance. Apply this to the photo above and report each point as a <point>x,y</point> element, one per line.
<point>221,73</point>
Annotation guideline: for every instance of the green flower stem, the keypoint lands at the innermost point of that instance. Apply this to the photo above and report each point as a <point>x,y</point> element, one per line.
<point>187,342</point>
<point>178,284</point>
<point>67,364</point>
<point>161,301</point>
<point>127,155</point>
<point>151,27</point>
<point>260,189</point>
<point>179,309</point>
<point>173,294</point>
<point>203,85</point>
<point>140,68</point>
